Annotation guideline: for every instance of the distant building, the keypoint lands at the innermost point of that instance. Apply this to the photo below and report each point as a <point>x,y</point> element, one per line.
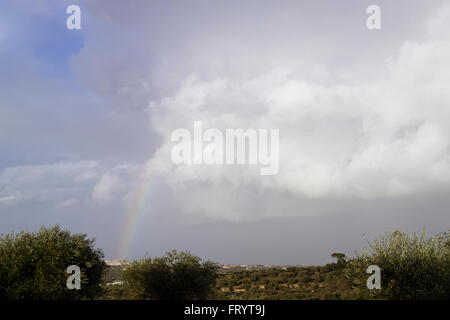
<point>115,262</point>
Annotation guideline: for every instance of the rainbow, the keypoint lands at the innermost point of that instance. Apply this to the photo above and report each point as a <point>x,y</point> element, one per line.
<point>134,212</point>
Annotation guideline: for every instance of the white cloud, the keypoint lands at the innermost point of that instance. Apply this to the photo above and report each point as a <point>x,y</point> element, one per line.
<point>104,190</point>
<point>439,25</point>
<point>48,182</point>
<point>67,203</point>
<point>115,184</point>
<point>9,199</point>
<point>65,184</point>
<point>386,136</point>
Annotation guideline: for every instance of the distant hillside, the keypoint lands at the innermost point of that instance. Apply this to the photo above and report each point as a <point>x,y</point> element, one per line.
<point>261,282</point>
<point>314,282</point>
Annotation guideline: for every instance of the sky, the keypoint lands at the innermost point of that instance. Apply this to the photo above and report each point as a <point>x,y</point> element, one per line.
<point>86,118</point>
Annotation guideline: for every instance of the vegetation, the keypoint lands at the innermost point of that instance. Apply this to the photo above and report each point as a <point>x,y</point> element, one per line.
<point>175,276</point>
<point>340,257</point>
<point>33,265</point>
<point>412,267</point>
<point>310,282</point>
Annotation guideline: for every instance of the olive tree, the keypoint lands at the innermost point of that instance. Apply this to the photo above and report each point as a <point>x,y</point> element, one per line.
<point>412,267</point>
<point>34,265</point>
<point>175,276</point>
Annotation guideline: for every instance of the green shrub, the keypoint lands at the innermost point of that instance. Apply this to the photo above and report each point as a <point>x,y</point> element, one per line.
<point>33,265</point>
<point>175,276</point>
<point>412,267</point>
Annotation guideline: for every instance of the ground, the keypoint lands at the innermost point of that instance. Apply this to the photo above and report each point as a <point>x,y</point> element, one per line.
<point>296,282</point>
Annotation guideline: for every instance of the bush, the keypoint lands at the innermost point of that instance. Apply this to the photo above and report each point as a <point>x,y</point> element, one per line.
<point>33,265</point>
<point>412,267</point>
<point>175,276</point>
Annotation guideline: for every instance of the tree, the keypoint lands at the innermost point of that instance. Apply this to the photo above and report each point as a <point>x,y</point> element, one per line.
<point>341,259</point>
<point>412,267</point>
<point>33,265</point>
<point>175,276</point>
